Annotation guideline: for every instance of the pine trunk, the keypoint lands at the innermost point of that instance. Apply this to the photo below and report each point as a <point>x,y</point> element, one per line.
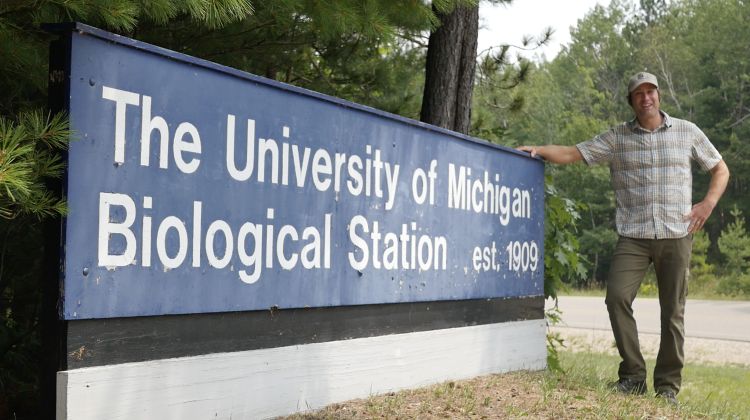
<point>451,64</point>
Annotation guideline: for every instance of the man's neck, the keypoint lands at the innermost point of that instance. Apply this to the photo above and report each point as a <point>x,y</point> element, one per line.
<point>650,123</point>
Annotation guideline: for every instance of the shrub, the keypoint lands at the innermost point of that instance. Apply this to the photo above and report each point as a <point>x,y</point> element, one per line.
<point>735,285</point>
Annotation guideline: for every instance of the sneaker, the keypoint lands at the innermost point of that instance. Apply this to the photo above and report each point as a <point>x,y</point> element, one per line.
<point>667,395</point>
<point>630,386</point>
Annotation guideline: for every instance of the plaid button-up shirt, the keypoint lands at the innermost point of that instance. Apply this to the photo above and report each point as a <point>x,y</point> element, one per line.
<point>651,174</point>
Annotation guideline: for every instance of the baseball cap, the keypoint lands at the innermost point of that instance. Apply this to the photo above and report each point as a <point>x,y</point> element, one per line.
<point>641,78</point>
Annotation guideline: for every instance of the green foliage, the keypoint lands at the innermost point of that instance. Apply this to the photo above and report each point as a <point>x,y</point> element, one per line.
<point>697,48</point>
<point>600,56</point>
<point>734,244</point>
<point>369,52</point>
<point>702,273</point>
<point>20,309</point>
<point>735,285</point>
<point>648,288</point>
<point>499,94</point>
<point>554,339</point>
<point>698,260</point>
<point>125,15</point>
<point>30,149</point>
<point>29,154</point>
<point>597,246</point>
<point>562,261</point>
<point>23,45</point>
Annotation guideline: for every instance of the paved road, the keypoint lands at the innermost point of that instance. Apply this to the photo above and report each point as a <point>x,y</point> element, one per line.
<point>723,320</point>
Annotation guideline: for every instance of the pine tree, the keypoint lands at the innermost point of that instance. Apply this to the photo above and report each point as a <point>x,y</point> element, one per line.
<point>365,51</point>
<point>28,154</point>
<point>23,44</point>
<point>734,244</point>
<point>450,69</point>
<point>31,142</point>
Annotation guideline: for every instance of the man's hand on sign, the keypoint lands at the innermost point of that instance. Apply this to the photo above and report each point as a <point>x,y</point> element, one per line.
<point>528,149</point>
<point>554,153</point>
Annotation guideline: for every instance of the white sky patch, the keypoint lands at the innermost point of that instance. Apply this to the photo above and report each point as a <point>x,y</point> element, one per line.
<point>508,24</point>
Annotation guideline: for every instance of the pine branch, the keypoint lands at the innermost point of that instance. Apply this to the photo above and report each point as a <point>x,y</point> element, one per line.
<point>28,154</point>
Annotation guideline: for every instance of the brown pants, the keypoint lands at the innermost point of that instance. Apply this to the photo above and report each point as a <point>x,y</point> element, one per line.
<point>671,259</point>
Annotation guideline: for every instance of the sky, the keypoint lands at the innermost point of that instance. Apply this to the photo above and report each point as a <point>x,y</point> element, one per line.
<point>503,24</point>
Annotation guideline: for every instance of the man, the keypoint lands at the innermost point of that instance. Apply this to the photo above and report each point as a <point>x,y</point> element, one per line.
<point>650,165</point>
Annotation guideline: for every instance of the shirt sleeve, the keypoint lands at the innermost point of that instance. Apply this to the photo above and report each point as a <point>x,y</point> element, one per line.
<point>703,151</point>
<point>600,149</point>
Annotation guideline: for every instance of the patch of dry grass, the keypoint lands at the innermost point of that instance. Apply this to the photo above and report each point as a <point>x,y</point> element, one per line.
<point>581,392</point>
<point>511,395</point>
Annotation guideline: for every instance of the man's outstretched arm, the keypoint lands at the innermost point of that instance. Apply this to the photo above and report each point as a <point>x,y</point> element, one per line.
<point>554,153</point>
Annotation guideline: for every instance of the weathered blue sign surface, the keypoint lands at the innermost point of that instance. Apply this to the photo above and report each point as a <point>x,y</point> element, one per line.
<point>195,188</point>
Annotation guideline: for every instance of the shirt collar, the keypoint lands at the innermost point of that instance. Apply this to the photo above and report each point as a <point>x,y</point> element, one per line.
<point>666,123</point>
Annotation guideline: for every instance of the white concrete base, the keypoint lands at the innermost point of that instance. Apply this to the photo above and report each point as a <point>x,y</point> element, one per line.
<point>272,382</point>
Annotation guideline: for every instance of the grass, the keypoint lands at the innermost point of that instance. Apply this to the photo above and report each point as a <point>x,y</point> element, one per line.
<point>707,391</point>
<point>580,392</point>
<point>719,389</point>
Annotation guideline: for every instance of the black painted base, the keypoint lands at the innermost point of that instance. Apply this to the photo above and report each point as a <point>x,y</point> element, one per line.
<point>120,340</point>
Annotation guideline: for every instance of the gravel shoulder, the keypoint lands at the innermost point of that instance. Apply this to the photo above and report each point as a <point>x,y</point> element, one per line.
<point>697,350</point>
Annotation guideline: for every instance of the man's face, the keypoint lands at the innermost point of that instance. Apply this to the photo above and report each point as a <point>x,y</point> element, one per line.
<point>645,101</point>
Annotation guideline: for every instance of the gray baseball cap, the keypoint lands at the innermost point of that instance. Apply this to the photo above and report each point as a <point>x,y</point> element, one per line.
<point>641,78</point>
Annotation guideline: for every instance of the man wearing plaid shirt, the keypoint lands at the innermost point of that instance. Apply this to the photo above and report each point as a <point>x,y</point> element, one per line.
<point>650,166</point>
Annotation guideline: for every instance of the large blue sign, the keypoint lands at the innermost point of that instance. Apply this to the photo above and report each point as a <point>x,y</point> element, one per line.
<point>195,188</point>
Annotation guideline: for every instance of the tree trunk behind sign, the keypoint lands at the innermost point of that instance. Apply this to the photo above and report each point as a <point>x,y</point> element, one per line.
<point>449,75</point>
